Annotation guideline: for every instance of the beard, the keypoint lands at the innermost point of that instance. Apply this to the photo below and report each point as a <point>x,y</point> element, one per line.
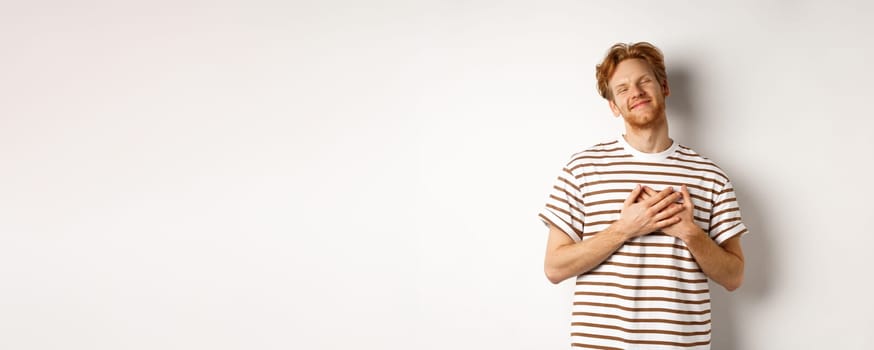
<point>646,118</point>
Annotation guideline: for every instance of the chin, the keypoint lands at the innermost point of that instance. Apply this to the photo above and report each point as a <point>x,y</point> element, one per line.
<point>643,121</point>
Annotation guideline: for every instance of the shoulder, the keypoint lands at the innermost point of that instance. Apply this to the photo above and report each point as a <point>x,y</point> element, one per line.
<point>600,150</point>
<point>595,154</point>
<point>686,154</point>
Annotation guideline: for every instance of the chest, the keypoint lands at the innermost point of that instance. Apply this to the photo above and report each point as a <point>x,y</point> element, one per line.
<point>606,188</point>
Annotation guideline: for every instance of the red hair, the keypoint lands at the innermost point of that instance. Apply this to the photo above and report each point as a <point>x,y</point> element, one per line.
<point>620,52</point>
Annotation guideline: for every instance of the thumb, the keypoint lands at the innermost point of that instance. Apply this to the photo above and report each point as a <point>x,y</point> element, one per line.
<point>632,196</point>
<point>687,199</point>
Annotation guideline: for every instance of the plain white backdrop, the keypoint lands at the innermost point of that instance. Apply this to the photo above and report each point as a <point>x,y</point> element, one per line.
<point>349,174</point>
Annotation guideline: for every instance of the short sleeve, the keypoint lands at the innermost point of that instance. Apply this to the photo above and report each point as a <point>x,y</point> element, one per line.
<point>564,208</point>
<point>725,218</point>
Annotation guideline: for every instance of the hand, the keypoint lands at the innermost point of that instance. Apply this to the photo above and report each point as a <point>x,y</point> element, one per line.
<point>643,216</point>
<point>685,226</point>
<point>648,192</point>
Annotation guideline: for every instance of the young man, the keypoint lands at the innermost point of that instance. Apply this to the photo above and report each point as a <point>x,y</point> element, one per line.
<point>642,222</point>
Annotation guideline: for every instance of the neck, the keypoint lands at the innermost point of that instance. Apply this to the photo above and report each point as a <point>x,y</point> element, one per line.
<point>649,139</point>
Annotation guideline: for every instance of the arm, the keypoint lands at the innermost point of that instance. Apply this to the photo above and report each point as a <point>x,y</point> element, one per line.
<point>724,264</point>
<point>566,258</point>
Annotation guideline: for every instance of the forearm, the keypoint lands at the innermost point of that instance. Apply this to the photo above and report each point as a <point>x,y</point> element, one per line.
<point>719,264</point>
<point>566,258</point>
<point>577,258</point>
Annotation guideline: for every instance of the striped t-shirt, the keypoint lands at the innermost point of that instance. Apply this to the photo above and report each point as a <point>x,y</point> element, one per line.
<point>650,294</point>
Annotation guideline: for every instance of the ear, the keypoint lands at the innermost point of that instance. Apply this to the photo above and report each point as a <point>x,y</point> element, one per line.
<point>614,108</point>
<point>665,89</point>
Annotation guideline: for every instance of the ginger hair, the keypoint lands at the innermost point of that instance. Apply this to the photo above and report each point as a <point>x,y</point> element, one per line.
<point>620,52</point>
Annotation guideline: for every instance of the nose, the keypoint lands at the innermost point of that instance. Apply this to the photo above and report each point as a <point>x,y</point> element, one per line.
<point>635,90</point>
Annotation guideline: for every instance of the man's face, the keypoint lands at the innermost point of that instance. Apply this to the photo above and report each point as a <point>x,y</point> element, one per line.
<point>637,95</point>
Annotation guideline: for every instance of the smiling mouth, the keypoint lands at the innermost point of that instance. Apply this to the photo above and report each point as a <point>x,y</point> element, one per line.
<point>641,103</point>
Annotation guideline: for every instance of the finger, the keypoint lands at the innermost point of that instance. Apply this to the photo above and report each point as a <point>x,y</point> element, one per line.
<point>668,212</point>
<point>660,195</point>
<point>649,190</point>
<point>687,198</point>
<point>667,222</point>
<point>632,196</point>
<point>647,193</point>
<point>666,201</point>
<point>642,197</point>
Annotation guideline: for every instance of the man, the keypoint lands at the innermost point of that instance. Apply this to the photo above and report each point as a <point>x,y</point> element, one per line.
<point>642,222</point>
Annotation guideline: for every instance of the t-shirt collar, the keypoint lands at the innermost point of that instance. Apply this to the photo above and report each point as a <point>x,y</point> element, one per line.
<point>648,156</point>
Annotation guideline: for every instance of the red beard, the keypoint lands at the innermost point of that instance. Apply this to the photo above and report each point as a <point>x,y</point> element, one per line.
<point>646,118</point>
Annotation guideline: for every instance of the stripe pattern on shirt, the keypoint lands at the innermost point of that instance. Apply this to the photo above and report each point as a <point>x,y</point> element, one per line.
<point>650,293</point>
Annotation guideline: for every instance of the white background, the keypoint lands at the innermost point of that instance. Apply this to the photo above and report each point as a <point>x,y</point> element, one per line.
<point>349,174</point>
